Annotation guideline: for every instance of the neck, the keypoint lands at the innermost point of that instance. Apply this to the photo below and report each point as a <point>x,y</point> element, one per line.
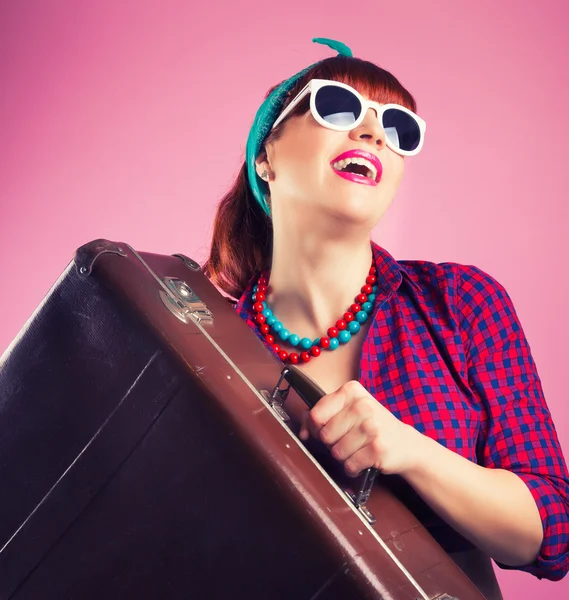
<point>314,280</point>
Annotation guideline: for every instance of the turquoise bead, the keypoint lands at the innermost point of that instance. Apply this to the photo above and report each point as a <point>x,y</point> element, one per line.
<point>344,336</point>
<point>306,343</point>
<point>353,326</point>
<point>334,343</point>
<point>277,326</point>
<point>361,316</point>
<point>268,312</point>
<point>374,289</point>
<point>367,306</point>
<point>371,298</point>
<point>255,288</point>
<point>284,334</point>
<point>270,321</point>
<point>316,342</point>
<point>294,339</point>
<point>264,305</point>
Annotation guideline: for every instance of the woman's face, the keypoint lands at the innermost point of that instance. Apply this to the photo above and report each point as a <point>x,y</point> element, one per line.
<point>304,182</point>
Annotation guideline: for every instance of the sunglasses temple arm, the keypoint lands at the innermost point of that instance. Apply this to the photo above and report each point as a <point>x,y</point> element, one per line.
<point>290,107</point>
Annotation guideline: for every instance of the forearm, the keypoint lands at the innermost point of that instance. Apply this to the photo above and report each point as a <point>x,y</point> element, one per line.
<point>492,508</point>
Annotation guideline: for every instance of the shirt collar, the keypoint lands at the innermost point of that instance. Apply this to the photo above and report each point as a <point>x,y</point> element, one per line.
<point>390,274</point>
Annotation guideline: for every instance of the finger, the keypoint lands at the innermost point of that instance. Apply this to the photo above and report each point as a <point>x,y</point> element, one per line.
<point>349,444</point>
<point>304,432</point>
<point>362,459</point>
<point>338,426</point>
<point>360,412</point>
<point>331,404</point>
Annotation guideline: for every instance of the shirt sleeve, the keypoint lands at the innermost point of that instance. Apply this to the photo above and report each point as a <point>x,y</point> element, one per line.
<point>517,431</point>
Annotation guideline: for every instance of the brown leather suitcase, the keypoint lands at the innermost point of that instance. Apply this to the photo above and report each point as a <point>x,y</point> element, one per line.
<point>140,457</point>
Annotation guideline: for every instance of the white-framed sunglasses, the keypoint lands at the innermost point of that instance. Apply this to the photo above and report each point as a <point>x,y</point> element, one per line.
<point>340,107</point>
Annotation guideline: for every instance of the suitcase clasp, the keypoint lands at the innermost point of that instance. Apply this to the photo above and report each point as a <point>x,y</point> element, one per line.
<point>184,303</point>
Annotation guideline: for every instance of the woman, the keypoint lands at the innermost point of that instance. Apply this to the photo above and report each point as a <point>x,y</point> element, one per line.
<point>426,367</point>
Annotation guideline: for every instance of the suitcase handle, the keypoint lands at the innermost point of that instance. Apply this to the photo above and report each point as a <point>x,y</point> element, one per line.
<point>311,392</point>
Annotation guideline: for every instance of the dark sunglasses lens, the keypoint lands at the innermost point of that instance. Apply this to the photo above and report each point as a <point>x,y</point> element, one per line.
<point>401,129</point>
<point>337,105</point>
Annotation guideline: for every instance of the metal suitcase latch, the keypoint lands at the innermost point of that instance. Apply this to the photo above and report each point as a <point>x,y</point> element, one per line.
<point>183,302</point>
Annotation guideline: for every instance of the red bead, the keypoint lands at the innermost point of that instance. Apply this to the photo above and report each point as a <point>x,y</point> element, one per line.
<point>258,307</point>
<point>260,297</point>
<point>348,316</point>
<point>305,357</point>
<point>355,308</point>
<point>367,289</point>
<point>315,350</point>
<point>276,348</point>
<point>371,279</point>
<point>260,318</point>
<point>332,332</point>
<point>361,298</point>
<point>262,289</point>
<point>264,329</point>
<point>263,281</point>
<point>293,358</point>
<point>341,324</point>
<point>324,342</point>
<point>283,355</point>
<point>270,339</point>
<point>372,270</point>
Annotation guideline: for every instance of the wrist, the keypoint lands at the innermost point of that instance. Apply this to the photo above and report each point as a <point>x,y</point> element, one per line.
<point>419,453</point>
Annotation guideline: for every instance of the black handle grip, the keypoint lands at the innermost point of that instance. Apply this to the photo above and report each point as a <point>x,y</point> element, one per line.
<point>303,385</point>
<point>311,392</point>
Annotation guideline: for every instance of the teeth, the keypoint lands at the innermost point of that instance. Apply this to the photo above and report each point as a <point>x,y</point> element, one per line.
<point>342,164</point>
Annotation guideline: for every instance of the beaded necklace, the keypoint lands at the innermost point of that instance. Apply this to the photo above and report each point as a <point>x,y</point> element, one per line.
<point>340,333</point>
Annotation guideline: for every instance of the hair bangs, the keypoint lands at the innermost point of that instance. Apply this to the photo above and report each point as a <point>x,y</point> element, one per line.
<point>368,79</point>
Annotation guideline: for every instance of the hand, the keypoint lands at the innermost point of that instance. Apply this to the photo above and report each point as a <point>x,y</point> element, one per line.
<point>362,433</point>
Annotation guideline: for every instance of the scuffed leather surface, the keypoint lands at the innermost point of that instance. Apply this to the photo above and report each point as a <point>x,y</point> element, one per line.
<point>57,386</point>
<point>119,479</point>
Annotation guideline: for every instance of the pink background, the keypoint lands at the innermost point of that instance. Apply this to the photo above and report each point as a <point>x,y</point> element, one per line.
<point>128,120</point>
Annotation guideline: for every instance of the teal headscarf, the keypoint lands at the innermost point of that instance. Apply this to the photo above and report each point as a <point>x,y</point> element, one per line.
<point>267,115</point>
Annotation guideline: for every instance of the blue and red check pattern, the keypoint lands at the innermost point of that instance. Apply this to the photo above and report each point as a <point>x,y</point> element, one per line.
<point>446,353</point>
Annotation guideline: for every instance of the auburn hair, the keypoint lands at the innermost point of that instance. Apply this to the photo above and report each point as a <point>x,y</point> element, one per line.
<point>242,238</point>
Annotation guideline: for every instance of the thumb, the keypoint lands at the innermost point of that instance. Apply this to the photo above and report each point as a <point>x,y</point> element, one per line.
<point>304,432</point>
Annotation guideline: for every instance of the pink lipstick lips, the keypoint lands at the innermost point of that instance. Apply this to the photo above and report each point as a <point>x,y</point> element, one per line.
<point>361,157</point>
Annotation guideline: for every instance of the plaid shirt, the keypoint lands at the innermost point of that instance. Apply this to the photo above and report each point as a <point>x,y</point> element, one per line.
<point>446,353</point>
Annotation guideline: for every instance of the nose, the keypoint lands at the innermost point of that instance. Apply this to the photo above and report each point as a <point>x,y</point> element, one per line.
<point>370,129</point>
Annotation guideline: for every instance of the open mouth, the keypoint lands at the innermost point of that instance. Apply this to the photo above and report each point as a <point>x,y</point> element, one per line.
<point>358,166</point>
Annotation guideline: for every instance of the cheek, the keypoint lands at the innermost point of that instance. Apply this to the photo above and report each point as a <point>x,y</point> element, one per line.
<point>297,162</point>
<point>394,168</point>
<point>400,170</point>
